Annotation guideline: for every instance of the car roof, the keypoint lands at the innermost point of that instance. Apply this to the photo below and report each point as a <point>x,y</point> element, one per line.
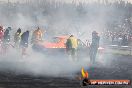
<point>62,37</point>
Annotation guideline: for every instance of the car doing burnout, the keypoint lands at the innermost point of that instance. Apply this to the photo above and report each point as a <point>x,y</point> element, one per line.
<point>57,46</point>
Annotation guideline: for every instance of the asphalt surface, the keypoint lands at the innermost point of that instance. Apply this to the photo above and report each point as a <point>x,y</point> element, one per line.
<point>106,67</point>
<point>112,67</point>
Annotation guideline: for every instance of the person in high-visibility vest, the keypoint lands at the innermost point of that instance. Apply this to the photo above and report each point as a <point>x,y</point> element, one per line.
<point>17,38</point>
<point>37,35</point>
<point>72,45</point>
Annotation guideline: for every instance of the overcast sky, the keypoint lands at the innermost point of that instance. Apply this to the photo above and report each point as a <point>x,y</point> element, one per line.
<point>63,0</point>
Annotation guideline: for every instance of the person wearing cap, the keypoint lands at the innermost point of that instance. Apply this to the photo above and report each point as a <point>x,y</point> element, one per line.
<point>37,35</point>
<point>17,38</point>
<point>24,42</point>
<point>94,46</point>
<point>71,46</point>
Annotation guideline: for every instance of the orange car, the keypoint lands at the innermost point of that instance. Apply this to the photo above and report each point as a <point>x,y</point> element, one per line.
<point>58,43</point>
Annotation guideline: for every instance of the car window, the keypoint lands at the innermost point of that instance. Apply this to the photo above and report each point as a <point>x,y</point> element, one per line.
<point>55,40</point>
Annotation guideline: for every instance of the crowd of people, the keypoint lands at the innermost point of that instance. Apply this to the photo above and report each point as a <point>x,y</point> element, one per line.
<point>117,38</point>
<point>21,40</point>
<point>115,17</point>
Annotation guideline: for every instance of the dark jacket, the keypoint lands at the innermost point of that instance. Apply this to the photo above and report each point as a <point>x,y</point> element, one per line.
<point>24,37</point>
<point>68,44</point>
<point>7,35</point>
<point>95,41</point>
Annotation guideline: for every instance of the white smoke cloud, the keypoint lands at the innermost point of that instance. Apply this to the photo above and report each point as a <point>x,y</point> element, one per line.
<point>80,21</point>
<point>67,1</point>
<point>39,64</point>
